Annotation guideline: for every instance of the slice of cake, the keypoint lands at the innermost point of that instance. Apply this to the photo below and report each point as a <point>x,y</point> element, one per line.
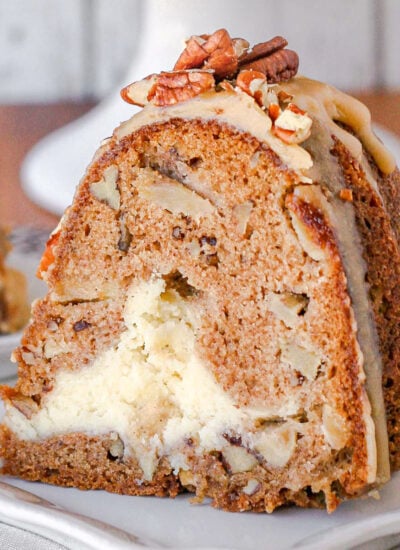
<point>223,306</point>
<point>14,310</point>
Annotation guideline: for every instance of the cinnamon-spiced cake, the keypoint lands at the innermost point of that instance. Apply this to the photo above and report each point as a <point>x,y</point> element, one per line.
<point>223,305</point>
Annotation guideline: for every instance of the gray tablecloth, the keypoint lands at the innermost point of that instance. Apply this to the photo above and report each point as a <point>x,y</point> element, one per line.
<point>13,538</point>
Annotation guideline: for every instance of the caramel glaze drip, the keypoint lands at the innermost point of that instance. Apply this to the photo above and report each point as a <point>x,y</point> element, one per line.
<point>330,105</point>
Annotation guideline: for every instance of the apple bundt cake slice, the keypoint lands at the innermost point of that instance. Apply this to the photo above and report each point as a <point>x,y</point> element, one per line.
<point>216,321</point>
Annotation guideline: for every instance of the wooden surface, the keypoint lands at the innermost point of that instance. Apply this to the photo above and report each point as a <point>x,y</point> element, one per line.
<point>22,126</point>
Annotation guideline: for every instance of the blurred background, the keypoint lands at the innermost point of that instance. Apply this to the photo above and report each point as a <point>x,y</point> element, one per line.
<point>53,50</point>
<point>59,58</point>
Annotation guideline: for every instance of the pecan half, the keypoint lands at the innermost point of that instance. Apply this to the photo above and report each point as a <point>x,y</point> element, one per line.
<point>279,66</point>
<point>263,49</point>
<point>216,51</point>
<point>193,56</point>
<point>271,59</point>
<point>179,86</point>
<point>222,55</point>
<point>137,92</point>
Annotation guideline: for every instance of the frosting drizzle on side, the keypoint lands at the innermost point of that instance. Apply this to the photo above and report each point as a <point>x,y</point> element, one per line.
<point>330,105</point>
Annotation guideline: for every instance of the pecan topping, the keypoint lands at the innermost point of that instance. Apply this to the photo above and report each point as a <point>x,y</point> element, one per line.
<point>178,86</point>
<point>208,60</point>
<point>219,52</point>
<point>193,56</point>
<point>216,51</point>
<point>271,59</point>
<point>263,50</point>
<point>279,65</point>
<point>293,125</point>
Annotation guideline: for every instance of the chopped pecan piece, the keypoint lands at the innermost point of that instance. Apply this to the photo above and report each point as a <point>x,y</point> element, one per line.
<point>81,325</point>
<point>251,82</point>
<point>179,86</point>
<point>209,59</point>
<point>25,405</point>
<point>293,125</point>
<point>274,111</point>
<point>225,85</point>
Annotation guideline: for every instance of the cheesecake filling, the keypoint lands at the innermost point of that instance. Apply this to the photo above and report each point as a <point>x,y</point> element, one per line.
<point>151,388</point>
<point>158,397</point>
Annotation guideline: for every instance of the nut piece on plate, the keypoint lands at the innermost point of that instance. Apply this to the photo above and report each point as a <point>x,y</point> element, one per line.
<point>106,189</point>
